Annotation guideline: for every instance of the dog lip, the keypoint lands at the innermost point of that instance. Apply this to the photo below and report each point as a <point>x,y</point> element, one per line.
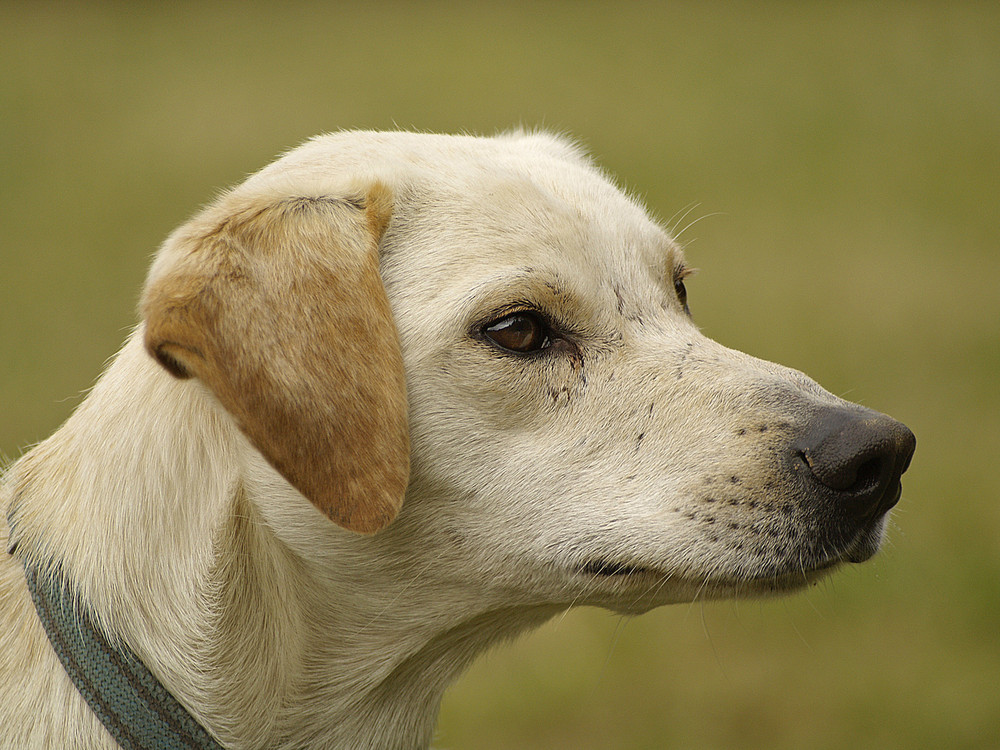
<point>607,569</point>
<point>866,544</point>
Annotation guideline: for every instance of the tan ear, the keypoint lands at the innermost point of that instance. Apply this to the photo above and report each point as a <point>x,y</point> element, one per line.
<point>278,307</point>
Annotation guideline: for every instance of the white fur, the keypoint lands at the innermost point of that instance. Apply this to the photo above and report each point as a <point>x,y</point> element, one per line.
<point>280,629</point>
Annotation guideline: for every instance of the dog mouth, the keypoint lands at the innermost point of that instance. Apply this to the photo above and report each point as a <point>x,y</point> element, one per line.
<point>613,569</point>
<point>777,573</point>
<point>867,542</point>
<point>772,570</point>
<point>766,579</point>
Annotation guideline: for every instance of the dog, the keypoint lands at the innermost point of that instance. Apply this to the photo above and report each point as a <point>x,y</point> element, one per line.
<point>488,327</point>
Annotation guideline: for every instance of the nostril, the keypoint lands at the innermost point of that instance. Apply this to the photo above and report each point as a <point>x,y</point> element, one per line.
<point>850,476</point>
<point>866,477</point>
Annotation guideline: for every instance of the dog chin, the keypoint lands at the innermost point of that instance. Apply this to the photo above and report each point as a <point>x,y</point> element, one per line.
<point>862,548</point>
<point>868,541</point>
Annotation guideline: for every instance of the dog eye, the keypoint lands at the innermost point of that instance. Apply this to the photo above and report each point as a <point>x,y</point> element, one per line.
<point>681,272</point>
<point>682,294</point>
<point>519,332</point>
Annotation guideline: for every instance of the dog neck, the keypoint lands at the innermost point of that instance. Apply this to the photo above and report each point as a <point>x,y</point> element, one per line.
<point>176,534</point>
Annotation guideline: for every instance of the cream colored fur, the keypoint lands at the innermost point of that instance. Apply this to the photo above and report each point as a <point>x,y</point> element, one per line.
<point>199,505</point>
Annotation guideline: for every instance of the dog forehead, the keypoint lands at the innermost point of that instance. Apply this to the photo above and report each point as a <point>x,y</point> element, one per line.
<point>467,207</point>
<point>519,201</point>
<point>509,176</point>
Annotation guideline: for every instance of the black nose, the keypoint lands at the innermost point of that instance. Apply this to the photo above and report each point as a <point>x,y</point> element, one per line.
<point>860,455</point>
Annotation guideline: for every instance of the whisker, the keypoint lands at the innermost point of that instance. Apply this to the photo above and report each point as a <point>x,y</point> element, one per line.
<point>677,237</point>
<point>673,224</point>
<point>653,590</point>
<point>611,651</point>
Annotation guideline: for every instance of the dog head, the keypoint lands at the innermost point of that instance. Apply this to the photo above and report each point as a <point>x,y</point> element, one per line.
<point>565,431</point>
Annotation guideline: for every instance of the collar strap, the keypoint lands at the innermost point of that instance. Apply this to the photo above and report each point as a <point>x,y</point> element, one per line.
<point>130,702</point>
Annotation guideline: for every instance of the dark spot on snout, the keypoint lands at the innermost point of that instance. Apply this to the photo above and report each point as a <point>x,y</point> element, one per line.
<point>857,455</point>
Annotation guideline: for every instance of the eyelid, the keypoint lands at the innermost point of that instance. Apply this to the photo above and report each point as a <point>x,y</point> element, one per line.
<point>683,271</point>
<point>520,308</point>
<point>512,308</point>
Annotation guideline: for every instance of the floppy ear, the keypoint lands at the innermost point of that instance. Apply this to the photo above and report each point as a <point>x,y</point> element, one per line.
<point>278,307</point>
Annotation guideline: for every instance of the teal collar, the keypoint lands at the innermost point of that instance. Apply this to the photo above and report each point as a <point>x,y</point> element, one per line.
<point>131,703</point>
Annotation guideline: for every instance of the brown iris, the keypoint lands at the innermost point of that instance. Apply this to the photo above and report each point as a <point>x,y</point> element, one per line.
<point>519,332</point>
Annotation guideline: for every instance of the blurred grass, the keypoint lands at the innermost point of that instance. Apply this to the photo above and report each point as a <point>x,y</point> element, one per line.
<point>846,157</point>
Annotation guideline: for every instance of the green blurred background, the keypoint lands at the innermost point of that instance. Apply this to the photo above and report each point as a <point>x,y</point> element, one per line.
<point>846,157</point>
